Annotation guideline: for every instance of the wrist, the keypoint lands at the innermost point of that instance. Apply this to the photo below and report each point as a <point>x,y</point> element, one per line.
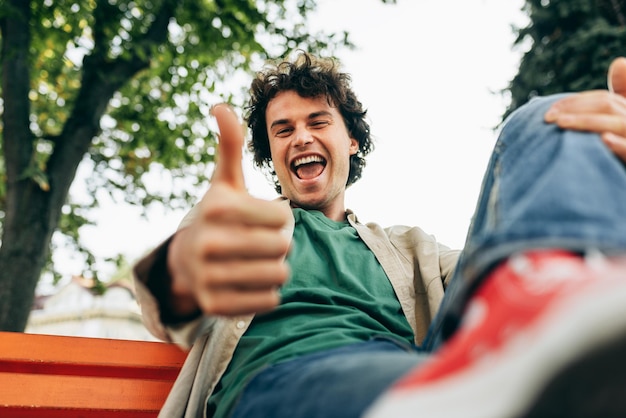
<point>173,308</point>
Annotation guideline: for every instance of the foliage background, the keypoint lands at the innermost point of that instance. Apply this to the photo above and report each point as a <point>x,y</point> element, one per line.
<point>122,173</point>
<point>125,86</point>
<point>572,44</point>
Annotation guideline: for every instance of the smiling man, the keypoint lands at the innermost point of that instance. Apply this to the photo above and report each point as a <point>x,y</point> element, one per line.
<point>310,147</point>
<point>294,308</point>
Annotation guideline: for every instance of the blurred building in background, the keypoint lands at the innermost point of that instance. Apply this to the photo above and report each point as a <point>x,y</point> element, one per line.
<point>81,308</point>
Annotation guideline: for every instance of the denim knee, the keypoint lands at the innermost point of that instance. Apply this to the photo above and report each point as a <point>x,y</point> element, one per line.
<point>549,187</point>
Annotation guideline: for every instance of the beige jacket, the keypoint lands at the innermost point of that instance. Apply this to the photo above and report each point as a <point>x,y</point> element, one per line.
<point>417,266</point>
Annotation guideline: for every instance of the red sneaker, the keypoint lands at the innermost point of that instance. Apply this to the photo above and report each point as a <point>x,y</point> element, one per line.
<point>544,336</point>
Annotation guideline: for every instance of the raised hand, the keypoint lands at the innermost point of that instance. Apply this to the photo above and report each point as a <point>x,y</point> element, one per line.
<point>230,259</point>
<point>601,111</point>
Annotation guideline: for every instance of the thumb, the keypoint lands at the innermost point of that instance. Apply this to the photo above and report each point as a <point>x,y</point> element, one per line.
<point>228,167</point>
<point>617,76</point>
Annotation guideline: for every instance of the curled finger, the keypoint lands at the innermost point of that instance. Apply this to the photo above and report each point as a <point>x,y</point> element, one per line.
<point>232,301</point>
<point>598,123</point>
<point>251,274</point>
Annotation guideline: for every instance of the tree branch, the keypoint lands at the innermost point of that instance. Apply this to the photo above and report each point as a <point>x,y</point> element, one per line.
<point>102,77</point>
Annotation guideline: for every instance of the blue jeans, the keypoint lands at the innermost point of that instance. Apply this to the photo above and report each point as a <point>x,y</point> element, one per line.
<point>544,188</point>
<point>336,383</point>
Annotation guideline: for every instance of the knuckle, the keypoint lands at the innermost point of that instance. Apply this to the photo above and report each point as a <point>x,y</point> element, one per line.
<point>213,245</point>
<point>217,210</point>
<point>622,126</point>
<point>217,274</point>
<point>218,303</point>
<point>284,243</point>
<point>208,304</point>
<point>268,301</point>
<point>283,272</point>
<point>273,299</point>
<point>611,104</point>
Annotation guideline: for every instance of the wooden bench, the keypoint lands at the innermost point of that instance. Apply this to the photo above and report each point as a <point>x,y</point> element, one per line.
<point>54,376</point>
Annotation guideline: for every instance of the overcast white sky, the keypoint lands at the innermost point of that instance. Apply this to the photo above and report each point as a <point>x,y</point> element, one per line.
<point>426,70</point>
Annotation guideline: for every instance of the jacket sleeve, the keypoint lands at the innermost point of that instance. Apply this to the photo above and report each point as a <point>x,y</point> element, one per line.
<point>448,259</point>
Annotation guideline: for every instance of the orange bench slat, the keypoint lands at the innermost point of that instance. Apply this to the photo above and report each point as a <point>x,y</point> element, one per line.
<point>52,354</point>
<point>70,377</point>
<point>71,396</point>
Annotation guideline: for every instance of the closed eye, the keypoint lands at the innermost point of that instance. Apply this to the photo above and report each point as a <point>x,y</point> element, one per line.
<point>319,123</point>
<point>283,132</point>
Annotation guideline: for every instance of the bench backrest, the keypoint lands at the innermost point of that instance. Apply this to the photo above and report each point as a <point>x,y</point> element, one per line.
<point>55,376</point>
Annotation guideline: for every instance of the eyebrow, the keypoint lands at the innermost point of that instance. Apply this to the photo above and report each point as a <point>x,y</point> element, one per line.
<point>311,116</point>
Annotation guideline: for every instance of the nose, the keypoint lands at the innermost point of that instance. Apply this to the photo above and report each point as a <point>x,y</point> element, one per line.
<point>303,137</point>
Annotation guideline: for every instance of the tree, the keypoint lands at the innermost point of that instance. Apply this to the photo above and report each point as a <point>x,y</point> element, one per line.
<point>570,46</point>
<point>125,86</point>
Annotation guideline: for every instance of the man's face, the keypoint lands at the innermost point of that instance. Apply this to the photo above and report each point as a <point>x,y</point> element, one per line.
<point>311,149</point>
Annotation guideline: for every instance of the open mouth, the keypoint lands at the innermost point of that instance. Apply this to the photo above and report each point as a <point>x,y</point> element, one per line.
<point>308,167</point>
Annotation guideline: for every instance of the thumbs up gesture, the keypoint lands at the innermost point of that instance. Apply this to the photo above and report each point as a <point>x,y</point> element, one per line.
<point>229,260</point>
<point>600,111</point>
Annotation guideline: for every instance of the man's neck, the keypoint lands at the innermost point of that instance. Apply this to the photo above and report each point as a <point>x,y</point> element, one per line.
<point>337,214</point>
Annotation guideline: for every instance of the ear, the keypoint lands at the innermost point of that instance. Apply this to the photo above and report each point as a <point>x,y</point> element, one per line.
<point>354,146</point>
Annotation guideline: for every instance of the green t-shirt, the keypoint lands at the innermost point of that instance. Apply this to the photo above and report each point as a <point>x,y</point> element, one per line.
<point>337,294</point>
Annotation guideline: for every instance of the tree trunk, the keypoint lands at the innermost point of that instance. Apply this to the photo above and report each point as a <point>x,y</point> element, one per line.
<point>23,255</point>
<point>32,211</point>
<point>26,235</point>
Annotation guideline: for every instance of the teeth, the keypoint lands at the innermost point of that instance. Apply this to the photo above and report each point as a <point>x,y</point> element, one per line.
<point>307,160</point>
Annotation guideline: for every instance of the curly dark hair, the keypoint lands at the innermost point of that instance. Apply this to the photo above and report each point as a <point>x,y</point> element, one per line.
<point>308,76</point>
